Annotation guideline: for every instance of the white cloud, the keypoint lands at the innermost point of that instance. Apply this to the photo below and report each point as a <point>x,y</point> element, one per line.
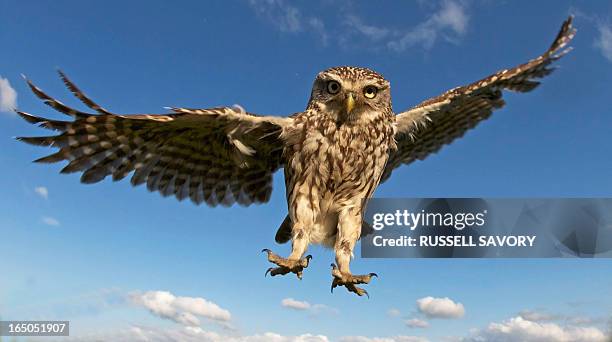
<point>449,21</point>
<point>319,27</point>
<point>42,191</point>
<point>291,20</point>
<point>440,308</point>
<point>287,18</point>
<point>452,15</point>
<point>518,329</point>
<point>393,312</point>
<point>417,323</point>
<point>282,15</point>
<point>582,320</point>
<point>183,310</point>
<point>50,221</point>
<point>543,316</point>
<point>370,31</point>
<point>190,334</point>
<point>538,316</point>
<point>450,18</point>
<point>383,339</point>
<point>313,309</point>
<point>8,96</point>
<point>604,40</point>
<point>514,330</point>
<point>295,304</point>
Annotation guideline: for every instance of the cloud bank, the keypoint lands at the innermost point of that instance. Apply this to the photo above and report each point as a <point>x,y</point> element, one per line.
<point>190,334</point>
<point>540,326</point>
<point>520,329</point>
<point>383,339</point>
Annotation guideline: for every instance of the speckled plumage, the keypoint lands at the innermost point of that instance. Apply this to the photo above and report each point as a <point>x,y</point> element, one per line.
<point>334,154</point>
<point>334,162</point>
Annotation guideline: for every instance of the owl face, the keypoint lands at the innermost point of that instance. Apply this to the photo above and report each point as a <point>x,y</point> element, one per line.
<point>350,93</point>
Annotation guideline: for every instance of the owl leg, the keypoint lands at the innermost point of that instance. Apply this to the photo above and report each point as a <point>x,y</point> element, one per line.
<point>349,230</point>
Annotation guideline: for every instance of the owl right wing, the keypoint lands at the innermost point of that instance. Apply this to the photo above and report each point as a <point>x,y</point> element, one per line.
<point>438,121</point>
<point>217,156</point>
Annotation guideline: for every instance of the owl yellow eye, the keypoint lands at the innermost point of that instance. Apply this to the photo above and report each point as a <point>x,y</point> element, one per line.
<point>333,87</point>
<point>370,92</point>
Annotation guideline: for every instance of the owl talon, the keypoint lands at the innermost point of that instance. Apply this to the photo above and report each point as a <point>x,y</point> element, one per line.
<point>286,265</point>
<point>349,281</point>
<point>274,271</point>
<point>357,290</point>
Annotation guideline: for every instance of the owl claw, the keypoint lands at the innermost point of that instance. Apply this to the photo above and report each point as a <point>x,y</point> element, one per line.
<point>359,291</point>
<point>334,284</point>
<point>349,281</point>
<point>286,265</point>
<point>274,271</point>
<point>352,288</point>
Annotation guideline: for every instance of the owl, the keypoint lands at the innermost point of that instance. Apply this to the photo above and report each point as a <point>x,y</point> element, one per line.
<point>334,153</point>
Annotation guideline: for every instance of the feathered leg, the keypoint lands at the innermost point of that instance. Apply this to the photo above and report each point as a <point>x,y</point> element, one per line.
<point>349,230</point>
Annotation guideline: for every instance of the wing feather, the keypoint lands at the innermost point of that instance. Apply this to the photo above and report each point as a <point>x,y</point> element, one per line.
<point>218,155</point>
<point>79,94</point>
<point>438,121</point>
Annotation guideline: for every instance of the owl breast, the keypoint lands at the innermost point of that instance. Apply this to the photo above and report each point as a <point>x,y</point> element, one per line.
<point>331,166</point>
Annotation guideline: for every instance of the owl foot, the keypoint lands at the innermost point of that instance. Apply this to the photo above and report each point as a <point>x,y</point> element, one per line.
<point>286,265</point>
<point>349,281</point>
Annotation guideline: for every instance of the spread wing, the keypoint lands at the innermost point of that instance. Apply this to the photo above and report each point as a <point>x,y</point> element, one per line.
<point>218,156</point>
<point>438,121</point>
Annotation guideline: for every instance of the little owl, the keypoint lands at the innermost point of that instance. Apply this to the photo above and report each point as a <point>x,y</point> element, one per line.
<point>334,154</point>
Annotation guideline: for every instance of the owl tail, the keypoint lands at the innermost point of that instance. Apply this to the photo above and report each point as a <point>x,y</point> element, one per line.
<point>283,234</point>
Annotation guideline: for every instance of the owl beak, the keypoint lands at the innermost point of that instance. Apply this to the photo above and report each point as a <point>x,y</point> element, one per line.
<point>350,102</point>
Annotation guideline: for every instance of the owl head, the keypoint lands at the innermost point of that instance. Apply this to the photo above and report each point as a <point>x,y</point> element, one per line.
<point>350,93</point>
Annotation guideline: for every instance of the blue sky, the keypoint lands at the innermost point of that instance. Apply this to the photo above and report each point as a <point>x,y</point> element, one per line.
<point>121,263</point>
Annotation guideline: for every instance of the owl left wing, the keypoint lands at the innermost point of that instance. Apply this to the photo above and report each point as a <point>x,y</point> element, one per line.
<point>217,156</point>
<point>438,121</point>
